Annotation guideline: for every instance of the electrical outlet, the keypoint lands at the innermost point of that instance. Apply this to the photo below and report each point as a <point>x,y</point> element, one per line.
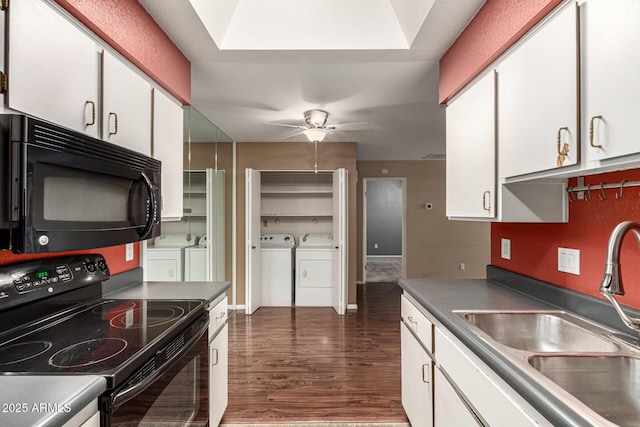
<point>506,248</point>
<point>375,246</point>
<point>129,252</point>
<point>462,266</point>
<point>569,261</point>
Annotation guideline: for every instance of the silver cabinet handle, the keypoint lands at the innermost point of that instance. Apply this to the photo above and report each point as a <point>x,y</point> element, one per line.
<point>426,378</point>
<point>591,126</point>
<point>93,113</point>
<point>486,201</point>
<point>115,122</point>
<point>216,352</point>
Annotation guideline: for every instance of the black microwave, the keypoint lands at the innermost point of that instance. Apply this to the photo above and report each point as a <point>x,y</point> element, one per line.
<point>62,190</point>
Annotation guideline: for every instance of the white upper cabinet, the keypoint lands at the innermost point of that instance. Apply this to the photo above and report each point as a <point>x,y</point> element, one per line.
<point>52,67</point>
<point>611,61</point>
<point>168,122</point>
<point>126,106</point>
<point>538,126</point>
<point>471,151</point>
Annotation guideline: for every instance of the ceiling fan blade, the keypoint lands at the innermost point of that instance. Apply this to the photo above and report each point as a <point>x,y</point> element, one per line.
<point>284,125</point>
<point>292,135</point>
<point>349,126</point>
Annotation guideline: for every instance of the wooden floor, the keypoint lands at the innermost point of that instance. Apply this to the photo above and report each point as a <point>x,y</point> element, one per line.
<point>309,365</point>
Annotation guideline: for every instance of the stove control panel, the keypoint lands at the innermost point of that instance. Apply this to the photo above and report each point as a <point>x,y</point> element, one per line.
<point>32,280</point>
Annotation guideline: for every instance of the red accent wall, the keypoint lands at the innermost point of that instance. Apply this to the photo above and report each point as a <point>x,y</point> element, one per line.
<point>127,27</point>
<point>534,247</point>
<point>495,28</point>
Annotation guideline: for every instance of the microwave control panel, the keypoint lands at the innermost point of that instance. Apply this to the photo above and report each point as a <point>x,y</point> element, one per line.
<point>33,280</point>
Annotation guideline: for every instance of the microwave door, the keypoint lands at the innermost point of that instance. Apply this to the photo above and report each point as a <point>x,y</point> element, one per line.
<point>77,202</point>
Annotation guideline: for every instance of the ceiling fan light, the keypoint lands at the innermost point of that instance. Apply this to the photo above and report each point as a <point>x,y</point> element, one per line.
<point>315,134</point>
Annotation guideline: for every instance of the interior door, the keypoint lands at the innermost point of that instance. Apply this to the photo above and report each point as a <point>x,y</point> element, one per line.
<point>253,295</point>
<point>340,253</point>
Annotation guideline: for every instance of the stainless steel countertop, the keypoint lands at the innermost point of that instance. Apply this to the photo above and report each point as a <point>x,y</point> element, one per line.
<point>46,400</point>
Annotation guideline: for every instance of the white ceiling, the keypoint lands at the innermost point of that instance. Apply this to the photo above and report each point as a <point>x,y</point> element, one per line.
<point>375,61</point>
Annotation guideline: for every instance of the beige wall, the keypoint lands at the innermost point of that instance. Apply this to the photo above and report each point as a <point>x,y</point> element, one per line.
<point>297,156</point>
<point>435,246</point>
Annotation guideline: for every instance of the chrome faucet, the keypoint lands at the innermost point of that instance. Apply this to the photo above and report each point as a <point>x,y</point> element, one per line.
<point>611,283</point>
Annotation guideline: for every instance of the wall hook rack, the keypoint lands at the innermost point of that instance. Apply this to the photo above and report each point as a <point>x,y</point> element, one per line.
<point>574,190</point>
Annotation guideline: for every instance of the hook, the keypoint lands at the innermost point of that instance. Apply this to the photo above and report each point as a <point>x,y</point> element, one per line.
<point>588,196</point>
<point>603,195</point>
<point>619,195</point>
<point>572,195</point>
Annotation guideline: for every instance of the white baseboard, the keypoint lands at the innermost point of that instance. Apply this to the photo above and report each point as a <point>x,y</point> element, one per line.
<point>352,306</point>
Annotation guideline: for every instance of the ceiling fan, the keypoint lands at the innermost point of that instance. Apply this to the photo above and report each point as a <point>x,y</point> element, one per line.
<point>317,129</point>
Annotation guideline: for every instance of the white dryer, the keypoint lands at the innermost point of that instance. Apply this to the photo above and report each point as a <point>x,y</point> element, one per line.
<point>314,271</point>
<point>277,261</point>
<point>165,258</point>
<point>195,261</point>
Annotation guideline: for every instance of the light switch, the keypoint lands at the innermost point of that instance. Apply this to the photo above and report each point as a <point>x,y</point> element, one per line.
<point>569,260</point>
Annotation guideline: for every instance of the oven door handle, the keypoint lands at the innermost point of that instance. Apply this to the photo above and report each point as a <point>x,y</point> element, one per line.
<point>129,393</point>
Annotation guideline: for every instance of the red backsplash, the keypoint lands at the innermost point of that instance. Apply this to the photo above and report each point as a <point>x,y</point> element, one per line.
<point>534,247</point>
<point>114,255</point>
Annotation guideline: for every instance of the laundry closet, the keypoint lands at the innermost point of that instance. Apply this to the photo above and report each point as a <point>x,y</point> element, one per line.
<point>311,208</point>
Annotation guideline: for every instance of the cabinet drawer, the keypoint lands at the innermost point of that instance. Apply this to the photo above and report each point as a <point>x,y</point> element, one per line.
<point>418,322</point>
<point>217,317</point>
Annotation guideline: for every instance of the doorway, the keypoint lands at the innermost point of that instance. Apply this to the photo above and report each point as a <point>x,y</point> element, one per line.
<point>383,229</point>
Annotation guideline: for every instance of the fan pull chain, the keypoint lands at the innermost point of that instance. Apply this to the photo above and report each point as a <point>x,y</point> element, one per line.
<point>315,163</point>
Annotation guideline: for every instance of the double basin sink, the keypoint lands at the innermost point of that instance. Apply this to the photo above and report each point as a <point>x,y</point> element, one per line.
<point>592,363</point>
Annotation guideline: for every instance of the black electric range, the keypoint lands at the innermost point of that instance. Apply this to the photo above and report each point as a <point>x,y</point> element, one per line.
<point>54,321</point>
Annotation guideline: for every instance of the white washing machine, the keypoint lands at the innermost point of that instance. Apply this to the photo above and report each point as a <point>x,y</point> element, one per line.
<point>165,258</point>
<point>195,261</point>
<point>277,261</point>
<point>314,271</point>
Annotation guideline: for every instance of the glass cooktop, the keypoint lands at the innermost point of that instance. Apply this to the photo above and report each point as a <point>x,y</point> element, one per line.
<point>103,338</point>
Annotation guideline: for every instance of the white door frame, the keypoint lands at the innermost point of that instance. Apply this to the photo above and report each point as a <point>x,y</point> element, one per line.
<point>364,223</point>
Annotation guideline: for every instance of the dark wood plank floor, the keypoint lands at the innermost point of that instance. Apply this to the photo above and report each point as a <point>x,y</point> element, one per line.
<point>311,365</point>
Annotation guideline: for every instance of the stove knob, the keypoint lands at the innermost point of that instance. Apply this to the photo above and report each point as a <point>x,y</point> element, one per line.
<point>102,265</point>
<point>90,267</point>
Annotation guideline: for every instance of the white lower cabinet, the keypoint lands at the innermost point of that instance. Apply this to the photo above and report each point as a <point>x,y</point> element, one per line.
<point>417,369</point>
<point>449,407</point>
<point>445,384</point>
<point>218,362</point>
<point>483,393</point>
<point>218,376</point>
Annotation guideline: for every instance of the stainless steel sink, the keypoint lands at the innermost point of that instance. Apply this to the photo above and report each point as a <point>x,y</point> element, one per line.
<point>540,331</point>
<point>608,384</point>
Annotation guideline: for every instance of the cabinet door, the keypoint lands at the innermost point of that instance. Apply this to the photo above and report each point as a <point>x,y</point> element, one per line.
<point>416,368</point>
<point>471,152</point>
<point>126,106</point>
<point>340,252</point>
<point>611,55</point>
<point>218,376</point>
<point>168,122</point>
<point>56,80</point>
<point>538,127</point>
<point>253,287</point>
<point>449,408</point>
